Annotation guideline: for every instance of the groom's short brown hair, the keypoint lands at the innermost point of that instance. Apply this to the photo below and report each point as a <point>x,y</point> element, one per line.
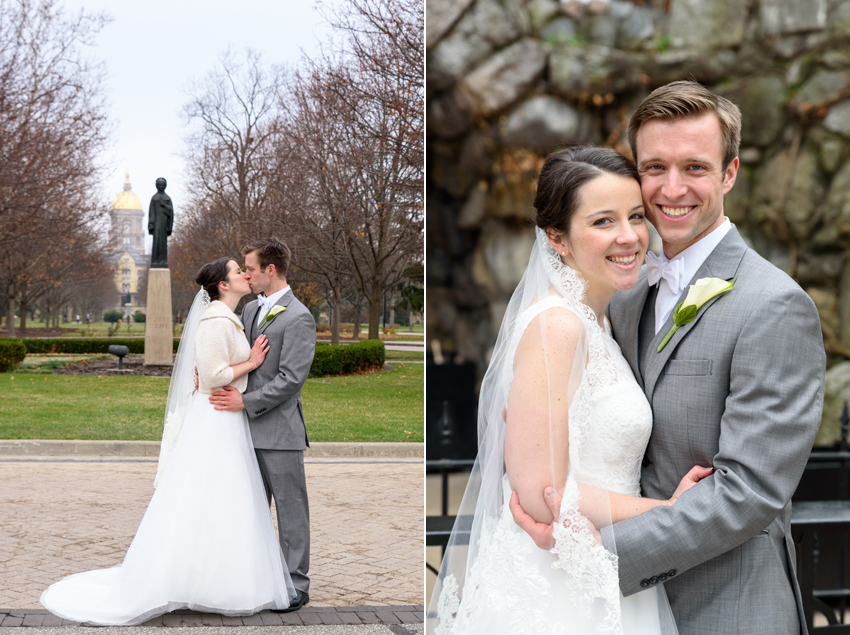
<point>686,98</point>
<point>270,251</point>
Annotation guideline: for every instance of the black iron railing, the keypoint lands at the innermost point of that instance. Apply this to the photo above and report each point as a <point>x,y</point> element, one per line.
<point>821,529</point>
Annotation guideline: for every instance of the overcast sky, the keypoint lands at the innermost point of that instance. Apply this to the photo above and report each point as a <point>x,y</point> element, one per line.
<point>154,49</point>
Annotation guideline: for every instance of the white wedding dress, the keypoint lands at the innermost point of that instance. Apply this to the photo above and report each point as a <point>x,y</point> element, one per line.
<point>206,541</point>
<point>510,586</point>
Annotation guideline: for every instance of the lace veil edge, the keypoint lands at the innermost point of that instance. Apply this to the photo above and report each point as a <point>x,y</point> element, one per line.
<point>484,535</point>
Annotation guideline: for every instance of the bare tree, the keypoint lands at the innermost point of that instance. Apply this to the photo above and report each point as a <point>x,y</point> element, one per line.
<point>86,274</point>
<point>93,290</point>
<point>310,144</point>
<point>385,46</point>
<point>51,272</point>
<point>53,124</point>
<point>357,118</point>
<point>362,221</point>
<point>230,153</point>
<point>333,165</point>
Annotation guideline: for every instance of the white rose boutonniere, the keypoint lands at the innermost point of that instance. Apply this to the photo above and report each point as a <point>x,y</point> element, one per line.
<point>273,312</point>
<point>698,294</point>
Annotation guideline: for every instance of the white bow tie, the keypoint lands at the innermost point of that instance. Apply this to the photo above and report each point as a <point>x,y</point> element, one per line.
<point>673,271</point>
<point>263,301</point>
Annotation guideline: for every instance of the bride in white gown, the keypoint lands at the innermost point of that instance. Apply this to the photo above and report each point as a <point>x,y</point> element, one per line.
<point>559,407</point>
<point>206,541</point>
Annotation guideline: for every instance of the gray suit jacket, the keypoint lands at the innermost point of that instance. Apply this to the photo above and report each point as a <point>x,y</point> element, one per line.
<point>741,389</point>
<point>273,397</point>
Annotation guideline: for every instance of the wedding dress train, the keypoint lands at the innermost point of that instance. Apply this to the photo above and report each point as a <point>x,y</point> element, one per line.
<point>206,541</point>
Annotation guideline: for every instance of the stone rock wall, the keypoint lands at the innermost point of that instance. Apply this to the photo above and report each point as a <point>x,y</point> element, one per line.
<point>508,81</point>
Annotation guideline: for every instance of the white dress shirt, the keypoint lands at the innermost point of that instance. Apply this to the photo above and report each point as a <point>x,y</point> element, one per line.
<point>270,301</point>
<point>692,259</point>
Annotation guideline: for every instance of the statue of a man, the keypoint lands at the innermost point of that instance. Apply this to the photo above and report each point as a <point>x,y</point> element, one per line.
<point>160,223</point>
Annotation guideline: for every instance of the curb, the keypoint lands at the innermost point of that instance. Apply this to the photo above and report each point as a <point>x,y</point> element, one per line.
<point>61,447</point>
<point>306,616</point>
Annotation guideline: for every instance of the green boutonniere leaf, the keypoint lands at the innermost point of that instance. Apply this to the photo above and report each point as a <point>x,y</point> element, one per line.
<point>274,312</point>
<point>684,315</point>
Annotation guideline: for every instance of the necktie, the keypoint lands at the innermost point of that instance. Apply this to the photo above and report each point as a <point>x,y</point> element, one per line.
<point>262,301</point>
<point>672,271</point>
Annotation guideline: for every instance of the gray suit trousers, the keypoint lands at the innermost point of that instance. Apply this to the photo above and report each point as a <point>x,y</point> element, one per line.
<point>283,478</point>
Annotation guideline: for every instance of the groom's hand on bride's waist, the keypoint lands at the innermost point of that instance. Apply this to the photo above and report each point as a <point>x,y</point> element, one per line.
<point>227,399</point>
<point>540,533</point>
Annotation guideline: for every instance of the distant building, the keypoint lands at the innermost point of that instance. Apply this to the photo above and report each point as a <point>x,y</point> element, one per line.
<point>126,250</point>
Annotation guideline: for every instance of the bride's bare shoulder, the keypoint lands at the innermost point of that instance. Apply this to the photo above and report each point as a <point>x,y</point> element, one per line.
<point>556,327</point>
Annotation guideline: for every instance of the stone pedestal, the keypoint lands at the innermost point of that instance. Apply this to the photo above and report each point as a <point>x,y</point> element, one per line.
<point>159,336</point>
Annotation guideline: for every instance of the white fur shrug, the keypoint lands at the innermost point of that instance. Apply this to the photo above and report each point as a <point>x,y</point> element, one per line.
<point>220,344</point>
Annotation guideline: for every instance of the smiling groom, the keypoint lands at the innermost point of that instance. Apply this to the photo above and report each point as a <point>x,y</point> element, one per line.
<point>272,400</point>
<point>739,387</point>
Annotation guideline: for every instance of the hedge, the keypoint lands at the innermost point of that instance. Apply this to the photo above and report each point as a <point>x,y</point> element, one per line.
<point>329,360</point>
<point>344,359</point>
<point>12,352</point>
<point>82,345</point>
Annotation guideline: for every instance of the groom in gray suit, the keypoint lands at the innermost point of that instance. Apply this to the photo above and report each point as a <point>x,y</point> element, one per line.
<point>272,400</point>
<point>739,388</point>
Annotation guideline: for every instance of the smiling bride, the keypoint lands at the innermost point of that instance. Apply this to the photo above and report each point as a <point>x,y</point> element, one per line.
<point>559,406</point>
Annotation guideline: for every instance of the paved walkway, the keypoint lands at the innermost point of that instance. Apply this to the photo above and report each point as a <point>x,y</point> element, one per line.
<point>351,619</point>
<point>401,620</point>
<point>373,629</point>
<point>407,345</point>
<point>398,345</point>
<point>62,516</point>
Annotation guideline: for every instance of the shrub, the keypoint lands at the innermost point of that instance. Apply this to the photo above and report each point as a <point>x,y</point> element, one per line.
<point>12,352</point>
<point>139,317</point>
<point>345,359</point>
<point>81,346</point>
<point>112,316</point>
<point>342,359</point>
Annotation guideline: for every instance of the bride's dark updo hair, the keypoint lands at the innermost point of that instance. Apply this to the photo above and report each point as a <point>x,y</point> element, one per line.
<point>211,274</point>
<point>563,175</point>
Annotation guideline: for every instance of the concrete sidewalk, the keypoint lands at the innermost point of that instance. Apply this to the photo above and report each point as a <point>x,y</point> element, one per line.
<point>68,513</point>
<point>407,629</point>
<point>355,620</point>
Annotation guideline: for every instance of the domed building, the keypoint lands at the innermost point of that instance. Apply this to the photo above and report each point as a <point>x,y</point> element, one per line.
<point>126,249</point>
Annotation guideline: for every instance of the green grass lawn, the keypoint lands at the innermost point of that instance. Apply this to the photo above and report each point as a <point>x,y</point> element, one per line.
<point>95,329</point>
<point>385,406</point>
<point>375,407</point>
<point>404,356</point>
<point>81,407</point>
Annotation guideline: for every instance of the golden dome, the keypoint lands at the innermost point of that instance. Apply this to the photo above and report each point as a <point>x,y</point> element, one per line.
<point>127,199</point>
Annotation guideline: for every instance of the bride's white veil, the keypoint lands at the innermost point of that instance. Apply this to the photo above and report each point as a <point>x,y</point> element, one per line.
<point>182,384</point>
<point>548,299</point>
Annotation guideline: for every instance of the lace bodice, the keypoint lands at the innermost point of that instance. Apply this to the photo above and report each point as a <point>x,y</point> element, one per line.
<point>615,425</point>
